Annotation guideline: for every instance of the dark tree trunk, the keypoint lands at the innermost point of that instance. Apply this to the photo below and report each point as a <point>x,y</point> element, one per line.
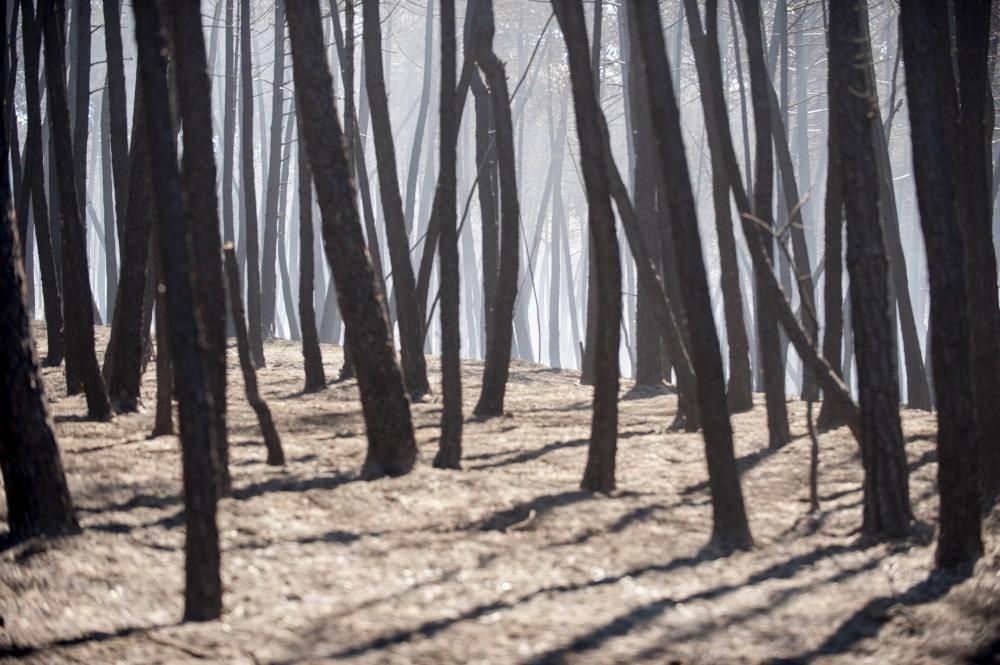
<point>886,498</point>
<point>392,449</point>
<point>418,134</point>
<point>76,282</point>
<point>450,448</point>
<point>124,358</point>
<point>599,475</point>
<point>411,329</point>
<point>767,324</point>
<point>34,188</point>
<point>163,421</point>
<point>250,188</point>
<point>313,359</point>
<point>229,126</point>
<point>975,129</point>
<point>730,528</point>
<point>198,176</point>
<point>486,158</point>
<point>930,91</point>
<point>117,110</point>
<point>107,190</point>
<point>499,344</point>
<point>38,500</point>
<point>203,587</point>
<point>275,454</point>
<point>81,90</point>
<point>739,392</point>
<point>268,283</point>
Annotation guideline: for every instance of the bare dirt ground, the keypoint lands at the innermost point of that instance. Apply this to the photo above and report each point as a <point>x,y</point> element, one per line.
<point>503,562</point>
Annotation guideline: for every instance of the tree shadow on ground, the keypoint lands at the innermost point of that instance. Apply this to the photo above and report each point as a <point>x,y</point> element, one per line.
<point>869,619</point>
<point>743,464</point>
<point>528,511</point>
<point>14,650</point>
<point>530,455</point>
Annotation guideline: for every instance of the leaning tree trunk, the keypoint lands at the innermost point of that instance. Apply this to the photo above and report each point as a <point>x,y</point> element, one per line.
<point>34,188</point>
<point>599,475</point>
<point>730,527</point>
<point>930,92</point>
<point>767,324</point>
<point>198,175</point>
<point>392,449</point>
<point>38,500</point>
<point>975,129</point>
<point>203,586</point>
<point>498,351</point>
<point>450,448</point>
<point>411,328</point>
<point>76,275</point>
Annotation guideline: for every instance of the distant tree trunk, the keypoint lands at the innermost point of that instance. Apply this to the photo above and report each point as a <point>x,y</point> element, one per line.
<point>411,328</point>
<point>81,89</point>
<point>975,130</point>
<point>107,189</point>
<point>76,282</point>
<point>930,91</point>
<point>229,126</point>
<point>392,449</point>
<point>730,528</point>
<point>286,287</point>
<point>739,393</point>
<point>124,358</point>
<point>313,359</point>
<point>767,325</point>
<point>198,176</point>
<point>275,454</point>
<point>558,221</point>
<point>268,285</point>
<point>418,134</point>
<point>203,587</point>
<point>450,448</point>
<point>499,345</point>
<point>599,475</point>
<point>250,188</point>
<point>38,500</point>
<point>886,498</point>
<point>34,188</point>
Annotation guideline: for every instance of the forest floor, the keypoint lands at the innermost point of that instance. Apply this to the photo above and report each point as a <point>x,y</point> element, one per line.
<point>503,562</point>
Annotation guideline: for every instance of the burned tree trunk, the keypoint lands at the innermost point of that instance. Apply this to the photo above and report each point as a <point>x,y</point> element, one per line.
<point>34,188</point>
<point>76,280</point>
<point>886,497</point>
<point>411,328</point>
<point>203,586</point>
<point>81,91</point>
<point>275,454</point>
<point>930,91</point>
<point>599,475</point>
<point>268,275</point>
<point>117,113</point>
<point>450,448</point>
<point>107,191</point>
<point>730,528</point>
<point>313,359</point>
<point>250,240</point>
<point>392,449</point>
<point>198,176</point>
<point>498,350</point>
<point>38,500</point>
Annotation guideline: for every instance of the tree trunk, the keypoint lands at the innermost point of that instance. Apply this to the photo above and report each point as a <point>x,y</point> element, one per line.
<point>34,188</point>
<point>203,587</point>
<point>313,359</point>
<point>410,322</point>
<point>392,449</point>
<point>555,246</point>
<point>76,281</point>
<point>599,475</point>
<point>163,421</point>
<point>268,284</point>
<point>81,84</point>
<point>486,158</point>
<point>107,190</point>
<point>229,126</point>
<point>886,497</point>
<point>975,130</point>
<point>930,91</point>
<point>730,528</point>
<point>250,188</point>
<point>499,345</point>
<point>38,500</point>
<point>198,177</point>
<point>275,454</point>
<point>450,448</point>
<point>767,325</point>
<point>117,110</point>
